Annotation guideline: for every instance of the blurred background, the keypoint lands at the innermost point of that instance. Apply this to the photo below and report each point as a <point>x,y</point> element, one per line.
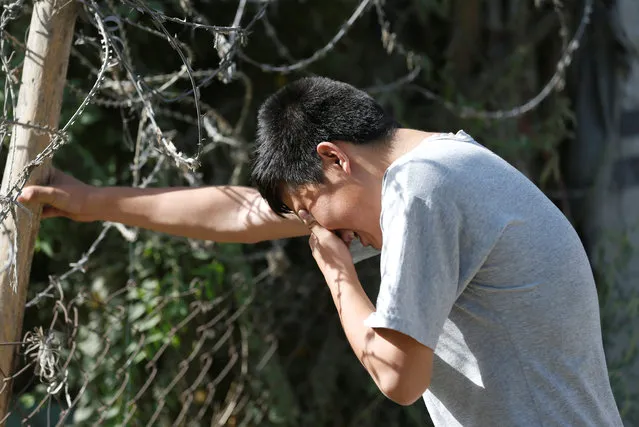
<point>130,327</point>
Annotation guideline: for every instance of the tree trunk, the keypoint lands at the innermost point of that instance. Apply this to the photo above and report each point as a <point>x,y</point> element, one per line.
<point>39,102</point>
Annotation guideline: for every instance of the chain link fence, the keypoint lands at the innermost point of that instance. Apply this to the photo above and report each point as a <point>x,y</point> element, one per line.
<point>145,329</point>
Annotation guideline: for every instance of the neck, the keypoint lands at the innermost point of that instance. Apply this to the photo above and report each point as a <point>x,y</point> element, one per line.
<point>404,141</point>
<point>377,159</point>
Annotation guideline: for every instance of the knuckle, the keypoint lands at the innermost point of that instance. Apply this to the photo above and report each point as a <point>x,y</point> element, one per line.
<point>27,193</point>
<point>49,195</point>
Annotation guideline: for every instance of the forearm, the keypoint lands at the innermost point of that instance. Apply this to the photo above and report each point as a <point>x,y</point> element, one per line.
<point>399,365</point>
<point>373,347</point>
<point>223,214</point>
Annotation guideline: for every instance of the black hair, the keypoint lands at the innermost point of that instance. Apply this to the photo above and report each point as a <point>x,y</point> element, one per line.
<point>299,116</point>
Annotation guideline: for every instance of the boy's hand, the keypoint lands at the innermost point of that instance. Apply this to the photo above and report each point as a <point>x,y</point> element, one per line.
<point>62,196</point>
<point>329,250</point>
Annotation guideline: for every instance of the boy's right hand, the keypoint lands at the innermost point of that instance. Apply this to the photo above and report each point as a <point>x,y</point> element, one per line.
<point>63,196</point>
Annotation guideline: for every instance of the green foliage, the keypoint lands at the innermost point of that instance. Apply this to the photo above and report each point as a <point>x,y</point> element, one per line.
<point>167,325</point>
<point>619,301</point>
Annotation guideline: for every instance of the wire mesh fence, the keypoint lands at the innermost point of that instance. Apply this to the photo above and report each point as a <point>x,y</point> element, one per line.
<point>111,341</point>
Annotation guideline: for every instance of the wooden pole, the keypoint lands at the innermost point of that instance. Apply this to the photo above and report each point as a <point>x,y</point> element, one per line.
<point>39,102</point>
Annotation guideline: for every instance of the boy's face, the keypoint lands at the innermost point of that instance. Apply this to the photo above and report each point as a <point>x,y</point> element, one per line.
<point>345,204</point>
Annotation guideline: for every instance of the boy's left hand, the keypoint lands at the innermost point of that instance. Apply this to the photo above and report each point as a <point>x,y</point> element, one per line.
<point>329,250</point>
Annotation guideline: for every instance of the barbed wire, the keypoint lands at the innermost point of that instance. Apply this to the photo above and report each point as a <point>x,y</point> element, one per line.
<point>207,365</point>
<point>320,53</point>
<point>555,83</point>
<point>55,363</point>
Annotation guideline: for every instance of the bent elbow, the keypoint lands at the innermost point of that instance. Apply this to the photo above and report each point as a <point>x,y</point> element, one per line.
<point>402,367</point>
<point>404,392</point>
<point>404,400</point>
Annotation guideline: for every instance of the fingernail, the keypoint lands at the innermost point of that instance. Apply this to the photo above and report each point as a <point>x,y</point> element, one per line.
<point>303,214</point>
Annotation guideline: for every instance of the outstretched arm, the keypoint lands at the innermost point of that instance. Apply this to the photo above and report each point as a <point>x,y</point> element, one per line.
<point>222,213</point>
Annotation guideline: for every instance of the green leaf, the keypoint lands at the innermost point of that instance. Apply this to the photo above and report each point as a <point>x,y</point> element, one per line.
<point>155,337</point>
<point>151,284</point>
<point>136,311</point>
<point>90,345</point>
<point>27,401</point>
<point>112,413</point>
<point>149,323</point>
<point>82,414</point>
<point>175,342</point>
<point>141,356</point>
<point>44,246</point>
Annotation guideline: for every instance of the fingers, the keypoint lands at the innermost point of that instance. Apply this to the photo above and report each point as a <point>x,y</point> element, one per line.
<point>320,236</point>
<point>312,224</point>
<point>317,231</point>
<point>347,236</point>
<point>329,249</point>
<point>51,212</point>
<point>306,217</point>
<point>43,195</point>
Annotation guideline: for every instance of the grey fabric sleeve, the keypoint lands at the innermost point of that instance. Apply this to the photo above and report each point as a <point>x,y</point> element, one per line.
<point>420,260</point>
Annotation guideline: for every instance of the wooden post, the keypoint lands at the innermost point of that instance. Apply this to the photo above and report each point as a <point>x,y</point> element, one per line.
<point>39,102</point>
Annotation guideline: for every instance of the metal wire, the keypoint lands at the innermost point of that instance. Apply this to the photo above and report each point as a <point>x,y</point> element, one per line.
<point>207,367</point>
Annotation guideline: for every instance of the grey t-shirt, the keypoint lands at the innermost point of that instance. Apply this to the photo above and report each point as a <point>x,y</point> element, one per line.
<point>480,266</point>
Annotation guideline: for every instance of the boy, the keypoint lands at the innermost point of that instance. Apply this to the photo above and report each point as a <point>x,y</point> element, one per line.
<point>487,305</point>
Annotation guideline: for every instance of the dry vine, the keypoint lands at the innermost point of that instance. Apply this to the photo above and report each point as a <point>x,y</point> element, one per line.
<point>52,353</point>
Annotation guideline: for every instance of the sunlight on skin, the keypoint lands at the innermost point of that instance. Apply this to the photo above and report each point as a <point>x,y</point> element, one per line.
<point>400,366</point>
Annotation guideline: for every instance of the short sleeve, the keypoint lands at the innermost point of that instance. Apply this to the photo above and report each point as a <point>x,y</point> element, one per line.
<point>420,261</point>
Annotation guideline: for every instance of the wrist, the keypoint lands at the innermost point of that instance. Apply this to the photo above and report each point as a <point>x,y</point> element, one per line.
<point>97,205</point>
<point>352,303</point>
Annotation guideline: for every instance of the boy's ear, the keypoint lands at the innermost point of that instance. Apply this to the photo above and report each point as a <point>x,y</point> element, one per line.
<point>332,156</point>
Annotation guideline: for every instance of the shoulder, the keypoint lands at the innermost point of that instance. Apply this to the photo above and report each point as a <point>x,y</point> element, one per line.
<point>449,165</point>
<point>436,165</point>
